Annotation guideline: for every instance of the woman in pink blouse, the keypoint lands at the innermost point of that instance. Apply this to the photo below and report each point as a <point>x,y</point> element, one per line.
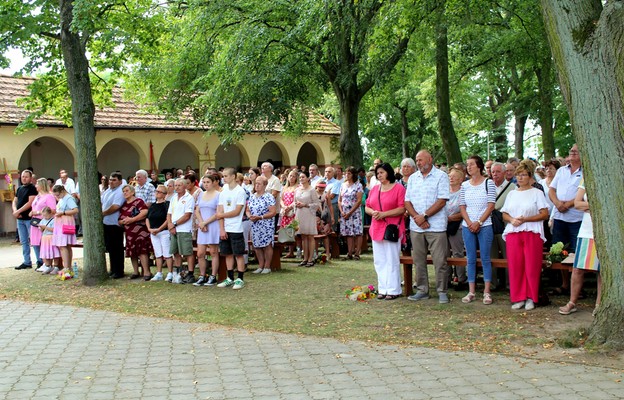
<point>385,204</point>
<point>44,199</point>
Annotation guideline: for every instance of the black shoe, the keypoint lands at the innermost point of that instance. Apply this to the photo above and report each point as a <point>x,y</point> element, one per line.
<point>117,276</point>
<point>189,278</point>
<point>200,281</point>
<point>23,266</point>
<point>39,264</point>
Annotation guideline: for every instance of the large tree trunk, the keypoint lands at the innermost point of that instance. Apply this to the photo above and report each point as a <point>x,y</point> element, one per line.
<point>445,121</point>
<point>545,93</point>
<point>520,122</point>
<point>350,146</point>
<point>83,111</point>
<point>587,42</point>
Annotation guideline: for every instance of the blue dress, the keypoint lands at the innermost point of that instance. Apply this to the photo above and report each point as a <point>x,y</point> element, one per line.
<point>208,208</point>
<point>262,231</point>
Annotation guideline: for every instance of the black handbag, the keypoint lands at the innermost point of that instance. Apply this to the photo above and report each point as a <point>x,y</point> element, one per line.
<point>35,221</point>
<point>391,233</point>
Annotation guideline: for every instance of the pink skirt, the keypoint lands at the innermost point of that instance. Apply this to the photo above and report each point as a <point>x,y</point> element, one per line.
<point>48,250</point>
<point>35,236</point>
<point>58,238</point>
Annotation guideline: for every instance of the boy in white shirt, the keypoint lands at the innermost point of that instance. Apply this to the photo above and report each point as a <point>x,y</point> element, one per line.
<point>180,223</point>
<point>230,210</point>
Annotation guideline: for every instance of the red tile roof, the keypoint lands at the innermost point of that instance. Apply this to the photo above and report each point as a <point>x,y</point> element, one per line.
<point>124,115</point>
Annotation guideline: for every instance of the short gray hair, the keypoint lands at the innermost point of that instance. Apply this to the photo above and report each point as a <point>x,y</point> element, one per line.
<point>497,163</point>
<point>269,164</point>
<point>141,172</point>
<point>409,161</point>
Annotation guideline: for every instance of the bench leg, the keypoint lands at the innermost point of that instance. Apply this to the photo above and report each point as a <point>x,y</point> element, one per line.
<point>408,290</point>
<point>335,248</point>
<point>276,261</point>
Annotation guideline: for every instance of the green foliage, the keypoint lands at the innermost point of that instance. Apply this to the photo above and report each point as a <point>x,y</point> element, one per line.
<point>243,65</point>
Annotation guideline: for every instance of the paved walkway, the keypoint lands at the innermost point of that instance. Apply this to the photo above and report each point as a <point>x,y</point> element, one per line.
<point>60,352</point>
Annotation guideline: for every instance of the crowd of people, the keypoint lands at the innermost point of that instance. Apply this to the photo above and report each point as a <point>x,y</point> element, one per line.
<point>478,210</point>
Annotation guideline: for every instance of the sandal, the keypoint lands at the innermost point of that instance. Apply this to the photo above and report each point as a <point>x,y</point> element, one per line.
<point>392,296</point>
<point>303,263</point>
<point>568,309</point>
<point>487,299</point>
<point>134,276</point>
<point>310,264</point>
<point>381,296</point>
<point>469,298</point>
<point>356,258</point>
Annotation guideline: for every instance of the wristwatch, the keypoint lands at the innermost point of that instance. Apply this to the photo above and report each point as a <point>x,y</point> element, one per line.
<point>479,222</point>
<point>426,217</point>
<point>175,224</point>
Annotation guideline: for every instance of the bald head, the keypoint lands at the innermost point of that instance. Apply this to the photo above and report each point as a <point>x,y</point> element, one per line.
<point>424,161</point>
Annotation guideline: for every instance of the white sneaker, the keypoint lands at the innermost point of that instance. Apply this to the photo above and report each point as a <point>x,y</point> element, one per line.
<point>238,284</point>
<point>266,271</point>
<point>227,282</point>
<point>258,271</point>
<point>518,305</point>
<point>157,277</point>
<point>54,271</point>
<point>46,269</point>
<point>169,277</point>
<point>529,305</point>
<point>40,269</point>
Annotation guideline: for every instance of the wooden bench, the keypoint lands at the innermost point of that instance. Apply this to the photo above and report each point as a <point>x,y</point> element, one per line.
<point>407,262</point>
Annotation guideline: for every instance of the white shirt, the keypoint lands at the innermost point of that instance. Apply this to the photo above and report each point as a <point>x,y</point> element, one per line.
<point>566,184</point>
<point>525,203</point>
<point>178,206</point>
<point>69,185</point>
<point>423,192</point>
<point>229,199</point>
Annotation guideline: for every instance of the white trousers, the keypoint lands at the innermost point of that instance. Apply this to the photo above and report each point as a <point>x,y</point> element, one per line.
<point>388,267</point>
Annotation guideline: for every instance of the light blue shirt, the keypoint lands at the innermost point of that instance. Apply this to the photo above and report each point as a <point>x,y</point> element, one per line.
<point>333,186</point>
<point>112,197</point>
<point>423,192</point>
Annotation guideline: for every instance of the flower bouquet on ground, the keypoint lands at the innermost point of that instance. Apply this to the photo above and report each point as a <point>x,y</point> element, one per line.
<point>361,293</point>
<point>556,254</point>
<point>321,258</point>
<point>65,274</point>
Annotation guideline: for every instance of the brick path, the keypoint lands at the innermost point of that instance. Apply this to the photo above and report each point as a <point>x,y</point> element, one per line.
<point>60,352</point>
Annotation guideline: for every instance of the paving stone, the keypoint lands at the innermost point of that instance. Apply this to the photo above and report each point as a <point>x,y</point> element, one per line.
<point>118,354</point>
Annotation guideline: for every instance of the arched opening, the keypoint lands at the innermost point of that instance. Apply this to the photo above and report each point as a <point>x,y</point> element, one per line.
<point>229,157</point>
<point>307,155</point>
<point>179,154</point>
<point>118,155</point>
<point>47,156</point>
<point>272,153</point>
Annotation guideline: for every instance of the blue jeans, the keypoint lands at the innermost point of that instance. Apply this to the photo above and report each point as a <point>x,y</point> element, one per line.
<point>566,233</point>
<point>484,238</point>
<point>23,230</point>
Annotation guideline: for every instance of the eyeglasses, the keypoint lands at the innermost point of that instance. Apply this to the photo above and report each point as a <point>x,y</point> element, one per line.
<point>522,175</point>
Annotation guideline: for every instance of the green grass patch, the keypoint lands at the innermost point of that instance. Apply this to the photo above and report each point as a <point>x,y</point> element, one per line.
<point>306,301</point>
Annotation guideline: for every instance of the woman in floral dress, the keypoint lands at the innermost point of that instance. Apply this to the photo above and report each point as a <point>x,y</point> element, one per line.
<point>261,210</point>
<point>132,216</point>
<point>349,202</point>
<point>287,203</point>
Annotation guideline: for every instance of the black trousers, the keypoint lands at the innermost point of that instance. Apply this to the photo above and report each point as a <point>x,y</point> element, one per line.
<point>113,240</point>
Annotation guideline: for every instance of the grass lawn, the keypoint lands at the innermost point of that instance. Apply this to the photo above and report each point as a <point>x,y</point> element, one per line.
<point>311,301</point>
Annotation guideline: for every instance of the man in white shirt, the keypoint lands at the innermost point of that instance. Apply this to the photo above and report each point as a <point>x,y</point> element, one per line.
<point>499,249</point>
<point>567,219</point>
<point>314,174</point>
<point>65,181</point>
<point>232,202</point>
<point>425,198</point>
<point>373,180</point>
<point>180,225</point>
<point>274,186</point>
<point>144,190</point>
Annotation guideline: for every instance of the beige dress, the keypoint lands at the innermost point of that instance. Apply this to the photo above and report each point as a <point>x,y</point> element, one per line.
<point>307,215</point>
